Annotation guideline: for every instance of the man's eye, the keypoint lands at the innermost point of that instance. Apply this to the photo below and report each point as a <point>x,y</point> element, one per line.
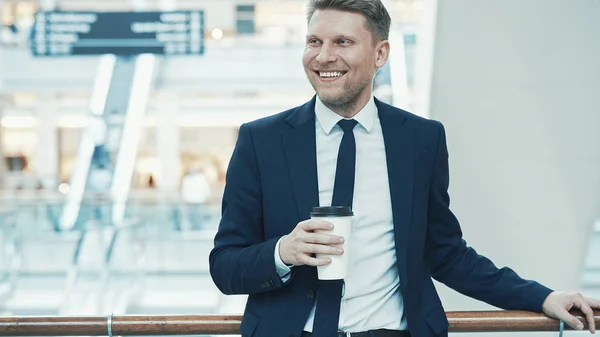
<point>343,41</point>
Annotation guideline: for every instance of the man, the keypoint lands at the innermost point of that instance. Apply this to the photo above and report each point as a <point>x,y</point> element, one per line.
<point>404,232</point>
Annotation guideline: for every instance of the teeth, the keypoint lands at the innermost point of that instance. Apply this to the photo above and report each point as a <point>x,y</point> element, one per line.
<point>330,74</point>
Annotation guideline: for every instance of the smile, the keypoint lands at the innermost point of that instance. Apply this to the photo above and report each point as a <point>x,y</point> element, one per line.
<point>330,75</point>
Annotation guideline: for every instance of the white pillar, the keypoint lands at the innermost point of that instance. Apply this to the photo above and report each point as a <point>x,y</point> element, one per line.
<point>46,161</point>
<point>168,148</point>
<point>398,71</point>
<point>397,88</point>
<point>426,30</point>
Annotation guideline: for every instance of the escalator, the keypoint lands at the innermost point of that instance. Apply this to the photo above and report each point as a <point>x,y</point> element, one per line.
<point>105,160</point>
<point>104,167</point>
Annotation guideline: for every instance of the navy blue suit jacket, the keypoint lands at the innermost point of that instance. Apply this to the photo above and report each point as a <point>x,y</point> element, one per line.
<point>272,186</point>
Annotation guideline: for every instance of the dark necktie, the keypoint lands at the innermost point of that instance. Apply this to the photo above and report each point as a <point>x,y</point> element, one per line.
<point>329,297</point>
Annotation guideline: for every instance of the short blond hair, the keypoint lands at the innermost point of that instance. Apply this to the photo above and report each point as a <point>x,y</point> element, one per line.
<point>378,18</point>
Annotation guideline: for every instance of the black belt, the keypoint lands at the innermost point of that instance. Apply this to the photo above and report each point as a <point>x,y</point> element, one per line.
<point>372,333</point>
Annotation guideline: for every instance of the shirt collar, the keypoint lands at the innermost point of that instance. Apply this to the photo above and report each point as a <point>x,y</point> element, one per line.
<point>328,119</point>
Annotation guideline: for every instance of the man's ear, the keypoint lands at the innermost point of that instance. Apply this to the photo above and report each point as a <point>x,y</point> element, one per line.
<point>383,51</point>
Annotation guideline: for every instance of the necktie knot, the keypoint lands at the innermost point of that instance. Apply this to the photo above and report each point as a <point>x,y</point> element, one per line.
<point>347,124</point>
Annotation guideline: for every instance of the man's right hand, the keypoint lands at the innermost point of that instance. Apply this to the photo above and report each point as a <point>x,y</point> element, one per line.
<point>297,247</point>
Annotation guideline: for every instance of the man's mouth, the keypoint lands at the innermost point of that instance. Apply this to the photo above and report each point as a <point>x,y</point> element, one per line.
<point>330,75</point>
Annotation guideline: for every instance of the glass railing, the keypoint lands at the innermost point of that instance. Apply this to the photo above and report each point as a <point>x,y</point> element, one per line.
<point>155,261</point>
<point>42,211</point>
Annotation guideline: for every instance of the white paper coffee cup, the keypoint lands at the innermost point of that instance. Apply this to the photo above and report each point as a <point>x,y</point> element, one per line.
<point>341,218</point>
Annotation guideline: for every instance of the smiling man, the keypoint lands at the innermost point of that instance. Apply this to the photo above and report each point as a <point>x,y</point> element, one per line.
<point>346,148</point>
<point>342,54</point>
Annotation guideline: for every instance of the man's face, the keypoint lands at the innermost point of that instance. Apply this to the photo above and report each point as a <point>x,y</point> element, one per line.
<point>340,58</point>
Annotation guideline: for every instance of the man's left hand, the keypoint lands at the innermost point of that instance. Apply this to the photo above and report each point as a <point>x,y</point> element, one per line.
<point>558,304</point>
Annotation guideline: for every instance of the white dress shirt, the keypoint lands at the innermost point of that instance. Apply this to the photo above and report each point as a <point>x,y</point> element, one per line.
<point>372,298</point>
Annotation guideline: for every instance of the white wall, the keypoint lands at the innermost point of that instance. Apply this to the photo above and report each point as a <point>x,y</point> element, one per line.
<point>517,85</point>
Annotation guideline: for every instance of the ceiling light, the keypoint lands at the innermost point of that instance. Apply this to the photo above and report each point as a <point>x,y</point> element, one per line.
<point>217,34</point>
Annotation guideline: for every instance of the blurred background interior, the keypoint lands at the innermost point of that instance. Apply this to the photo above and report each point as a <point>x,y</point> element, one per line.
<point>113,165</point>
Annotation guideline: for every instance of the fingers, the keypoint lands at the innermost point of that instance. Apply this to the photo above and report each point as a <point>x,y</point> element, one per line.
<point>308,235</point>
<point>297,247</point>
<point>308,260</point>
<point>319,243</point>
<point>323,239</point>
<point>306,251</point>
<point>588,313</point>
<point>559,303</point>
<point>321,249</point>
<point>312,225</point>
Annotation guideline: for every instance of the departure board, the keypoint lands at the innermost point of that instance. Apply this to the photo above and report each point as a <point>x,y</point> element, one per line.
<point>119,33</point>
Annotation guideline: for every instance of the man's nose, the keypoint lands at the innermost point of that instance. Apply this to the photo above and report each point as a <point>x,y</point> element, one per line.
<point>326,55</point>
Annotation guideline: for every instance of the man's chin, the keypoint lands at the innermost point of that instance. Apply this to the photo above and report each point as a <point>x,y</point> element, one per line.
<point>332,100</point>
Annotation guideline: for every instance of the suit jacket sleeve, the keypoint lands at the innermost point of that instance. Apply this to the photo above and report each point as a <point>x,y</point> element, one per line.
<point>241,261</point>
<point>458,266</point>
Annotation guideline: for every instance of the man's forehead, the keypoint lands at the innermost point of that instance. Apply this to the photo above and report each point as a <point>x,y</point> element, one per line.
<point>337,22</point>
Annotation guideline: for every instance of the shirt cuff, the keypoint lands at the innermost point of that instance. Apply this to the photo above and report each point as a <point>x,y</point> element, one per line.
<point>284,271</point>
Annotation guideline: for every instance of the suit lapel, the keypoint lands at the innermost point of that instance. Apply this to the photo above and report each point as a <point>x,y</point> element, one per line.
<point>300,147</point>
<point>399,148</point>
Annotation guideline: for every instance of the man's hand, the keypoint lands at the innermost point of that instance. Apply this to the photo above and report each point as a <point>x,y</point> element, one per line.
<point>296,248</point>
<point>558,304</point>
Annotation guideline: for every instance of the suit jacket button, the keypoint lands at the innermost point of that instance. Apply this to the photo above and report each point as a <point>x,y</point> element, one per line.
<point>310,294</point>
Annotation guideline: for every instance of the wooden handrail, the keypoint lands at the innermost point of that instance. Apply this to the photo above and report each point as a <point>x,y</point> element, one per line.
<point>509,321</point>
<point>467,321</point>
